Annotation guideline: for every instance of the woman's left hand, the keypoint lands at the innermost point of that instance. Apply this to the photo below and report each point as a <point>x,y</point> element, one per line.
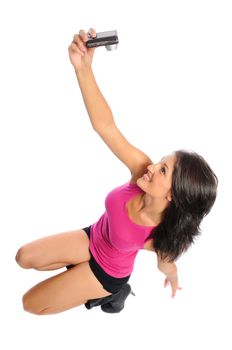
<point>173,280</point>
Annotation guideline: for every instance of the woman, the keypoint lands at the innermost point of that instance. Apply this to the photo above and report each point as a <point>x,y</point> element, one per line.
<point>160,209</point>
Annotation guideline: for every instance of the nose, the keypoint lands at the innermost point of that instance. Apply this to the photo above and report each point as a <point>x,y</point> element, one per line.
<point>151,168</point>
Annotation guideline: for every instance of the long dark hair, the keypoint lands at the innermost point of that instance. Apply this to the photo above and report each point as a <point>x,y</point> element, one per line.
<point>194,188</point>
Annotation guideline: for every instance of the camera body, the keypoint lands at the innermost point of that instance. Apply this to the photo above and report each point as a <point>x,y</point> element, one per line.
<point>108,39</point>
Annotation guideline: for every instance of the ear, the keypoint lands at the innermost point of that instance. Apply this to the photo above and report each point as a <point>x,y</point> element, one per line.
<point>169,196</point>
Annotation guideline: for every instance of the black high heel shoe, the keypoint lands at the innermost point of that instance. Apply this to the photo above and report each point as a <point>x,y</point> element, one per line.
<point>113,303</point>
<point>118,302</point>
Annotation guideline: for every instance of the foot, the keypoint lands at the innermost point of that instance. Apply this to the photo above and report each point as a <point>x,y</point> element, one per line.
<point>113,303</point>
<point>118,301</point>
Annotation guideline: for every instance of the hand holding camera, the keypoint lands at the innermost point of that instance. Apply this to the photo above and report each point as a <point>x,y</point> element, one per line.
<point>82,48</point>
<point>80,56</point>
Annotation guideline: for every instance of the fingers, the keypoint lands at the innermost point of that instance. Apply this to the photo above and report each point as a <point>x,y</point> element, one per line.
<point>174,286</point>
<point>174,291</point>
<point>166,282</point>
<point>85,36</point>
<point>75,49</point>
<point>92,33</point>
<point>79,41</point>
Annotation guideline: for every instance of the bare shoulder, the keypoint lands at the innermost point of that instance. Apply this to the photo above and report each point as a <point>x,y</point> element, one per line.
<point>149,245</point>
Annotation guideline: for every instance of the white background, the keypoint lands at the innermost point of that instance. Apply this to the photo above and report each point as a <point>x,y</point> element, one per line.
<point>169,87</point>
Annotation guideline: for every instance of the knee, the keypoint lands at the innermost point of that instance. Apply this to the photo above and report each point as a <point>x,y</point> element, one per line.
<point>29,305</point>
<point>22,257</point>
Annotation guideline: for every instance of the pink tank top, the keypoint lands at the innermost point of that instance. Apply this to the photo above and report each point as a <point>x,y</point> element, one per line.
<point>115,239</point>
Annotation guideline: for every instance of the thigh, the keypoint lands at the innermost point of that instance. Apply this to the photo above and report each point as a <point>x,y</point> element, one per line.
<point>64,291</point>
<point>65,248</point>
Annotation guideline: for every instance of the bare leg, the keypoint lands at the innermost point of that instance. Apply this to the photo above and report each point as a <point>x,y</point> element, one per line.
<point>55,251</point>
<point>50,267</point>
<point>64,291</point>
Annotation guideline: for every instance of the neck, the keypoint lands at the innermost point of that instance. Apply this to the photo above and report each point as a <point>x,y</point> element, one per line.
<point>152,208</point>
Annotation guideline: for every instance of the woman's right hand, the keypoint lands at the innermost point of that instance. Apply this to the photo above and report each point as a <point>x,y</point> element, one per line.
<point>80,56</point>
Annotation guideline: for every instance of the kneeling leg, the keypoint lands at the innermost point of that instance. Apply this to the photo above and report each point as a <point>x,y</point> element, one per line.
<point>64,291</point>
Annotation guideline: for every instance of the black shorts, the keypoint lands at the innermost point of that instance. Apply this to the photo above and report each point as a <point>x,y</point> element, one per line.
<point>109,283</point>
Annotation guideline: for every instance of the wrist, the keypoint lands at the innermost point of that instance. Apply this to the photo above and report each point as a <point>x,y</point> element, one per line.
<point>82,72</point>
<point>171,272</point>
<point>171,275</point>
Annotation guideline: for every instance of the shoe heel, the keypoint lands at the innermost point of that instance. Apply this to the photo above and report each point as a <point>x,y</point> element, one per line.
<point>118,302</point>
<point>97,302</point>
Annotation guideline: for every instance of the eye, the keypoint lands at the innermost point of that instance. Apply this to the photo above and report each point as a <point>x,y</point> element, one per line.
<point>163,170</point>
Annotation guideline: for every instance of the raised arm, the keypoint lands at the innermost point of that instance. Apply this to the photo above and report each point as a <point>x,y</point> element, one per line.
<point>99,112</point>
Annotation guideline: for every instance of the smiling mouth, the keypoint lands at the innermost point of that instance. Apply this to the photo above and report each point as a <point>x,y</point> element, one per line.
<point>146,177</point>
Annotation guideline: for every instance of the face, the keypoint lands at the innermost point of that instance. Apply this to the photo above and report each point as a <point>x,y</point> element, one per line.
<point>157,181</point>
